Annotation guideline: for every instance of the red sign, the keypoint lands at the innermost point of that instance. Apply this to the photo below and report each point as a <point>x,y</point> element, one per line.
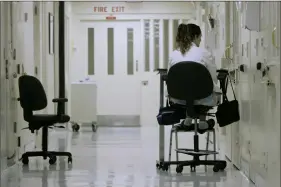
<point>114,9</point>
<point>111,18</point>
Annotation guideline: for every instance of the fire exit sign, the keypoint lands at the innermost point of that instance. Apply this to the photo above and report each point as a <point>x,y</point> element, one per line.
<point>113,9</point>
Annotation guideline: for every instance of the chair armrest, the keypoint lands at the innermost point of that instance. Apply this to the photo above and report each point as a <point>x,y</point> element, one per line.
<point>222,74</point>
<point>222,71</point>
<point>161,70</point>
<point>60,100</point>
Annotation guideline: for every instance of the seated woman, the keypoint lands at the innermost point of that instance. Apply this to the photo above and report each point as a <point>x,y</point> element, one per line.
<point>188,40</point>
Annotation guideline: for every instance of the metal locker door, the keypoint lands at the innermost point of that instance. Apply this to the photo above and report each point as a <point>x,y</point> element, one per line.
<point>228,39</point>
<point>258,129</point>
<point>235,128</point>
<point>11,99</point>
<point>16,70</point>
<point>271,157</point>
<point>244,92</point>
<point>3,106</point>
<point>260,57</point>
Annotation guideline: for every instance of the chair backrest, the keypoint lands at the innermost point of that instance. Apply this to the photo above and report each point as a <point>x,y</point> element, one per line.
<point>189,81</point>
<point>32,94</point>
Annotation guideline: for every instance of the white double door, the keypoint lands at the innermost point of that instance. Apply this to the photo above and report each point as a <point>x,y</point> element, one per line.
<point>117,50</point>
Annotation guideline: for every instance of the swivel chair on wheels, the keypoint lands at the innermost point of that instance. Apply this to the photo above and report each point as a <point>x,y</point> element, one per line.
<point>190,81</point>
<point>33,98</point>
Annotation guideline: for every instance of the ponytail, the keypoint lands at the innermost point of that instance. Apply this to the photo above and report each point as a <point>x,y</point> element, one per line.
<point>186,35</point>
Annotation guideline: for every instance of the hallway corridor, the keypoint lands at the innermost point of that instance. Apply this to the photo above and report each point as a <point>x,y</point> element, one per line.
<point>114,157</point>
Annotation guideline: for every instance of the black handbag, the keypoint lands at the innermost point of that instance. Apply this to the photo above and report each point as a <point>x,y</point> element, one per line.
<point>228,111</point>
<point>170,115</point>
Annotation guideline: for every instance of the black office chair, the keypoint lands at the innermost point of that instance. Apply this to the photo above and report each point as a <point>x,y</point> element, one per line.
<point>33,98</point>
<point>192,81</point>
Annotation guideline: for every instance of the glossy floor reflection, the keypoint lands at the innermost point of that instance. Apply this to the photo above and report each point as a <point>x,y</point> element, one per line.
<point>114,157</point>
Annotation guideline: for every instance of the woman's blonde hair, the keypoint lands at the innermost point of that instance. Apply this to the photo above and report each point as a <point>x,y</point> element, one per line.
<point>187,33</point>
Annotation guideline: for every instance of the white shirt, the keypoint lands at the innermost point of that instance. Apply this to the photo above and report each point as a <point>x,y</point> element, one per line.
<point>200,55</point>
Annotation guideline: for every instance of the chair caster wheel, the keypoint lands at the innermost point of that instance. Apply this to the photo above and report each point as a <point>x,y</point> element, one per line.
<point>211,123</point>
<point>75,127</point>
<point>179,169</point>
<point>70,160</point>
<point>219,167</point>
<point>159,166</point>
<point>216,168</point>
<point>25,160</point>
<point>52,160</point>
<point>165,167</point>
<point>192,168</point>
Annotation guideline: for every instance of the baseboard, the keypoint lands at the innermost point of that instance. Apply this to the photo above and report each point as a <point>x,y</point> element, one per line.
<point>118,121</point>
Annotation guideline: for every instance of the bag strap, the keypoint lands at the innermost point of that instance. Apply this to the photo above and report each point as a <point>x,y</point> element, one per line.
<point>223,86</point>
<point>232,88</point>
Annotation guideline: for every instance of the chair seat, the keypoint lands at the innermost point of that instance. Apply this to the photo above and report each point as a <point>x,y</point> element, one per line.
<point>50,118</point>
<point>199,109</point>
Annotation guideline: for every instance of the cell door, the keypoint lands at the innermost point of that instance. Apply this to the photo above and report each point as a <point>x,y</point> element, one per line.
<point>113,56</point>
<point>12,82</point>
<point>3,88</point>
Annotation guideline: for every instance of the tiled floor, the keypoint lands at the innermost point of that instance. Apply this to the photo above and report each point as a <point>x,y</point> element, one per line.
<point>114,157</point>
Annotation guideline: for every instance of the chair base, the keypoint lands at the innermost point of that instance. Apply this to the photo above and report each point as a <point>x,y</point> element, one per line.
<point>45,154</point>
<point>219,165</point>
